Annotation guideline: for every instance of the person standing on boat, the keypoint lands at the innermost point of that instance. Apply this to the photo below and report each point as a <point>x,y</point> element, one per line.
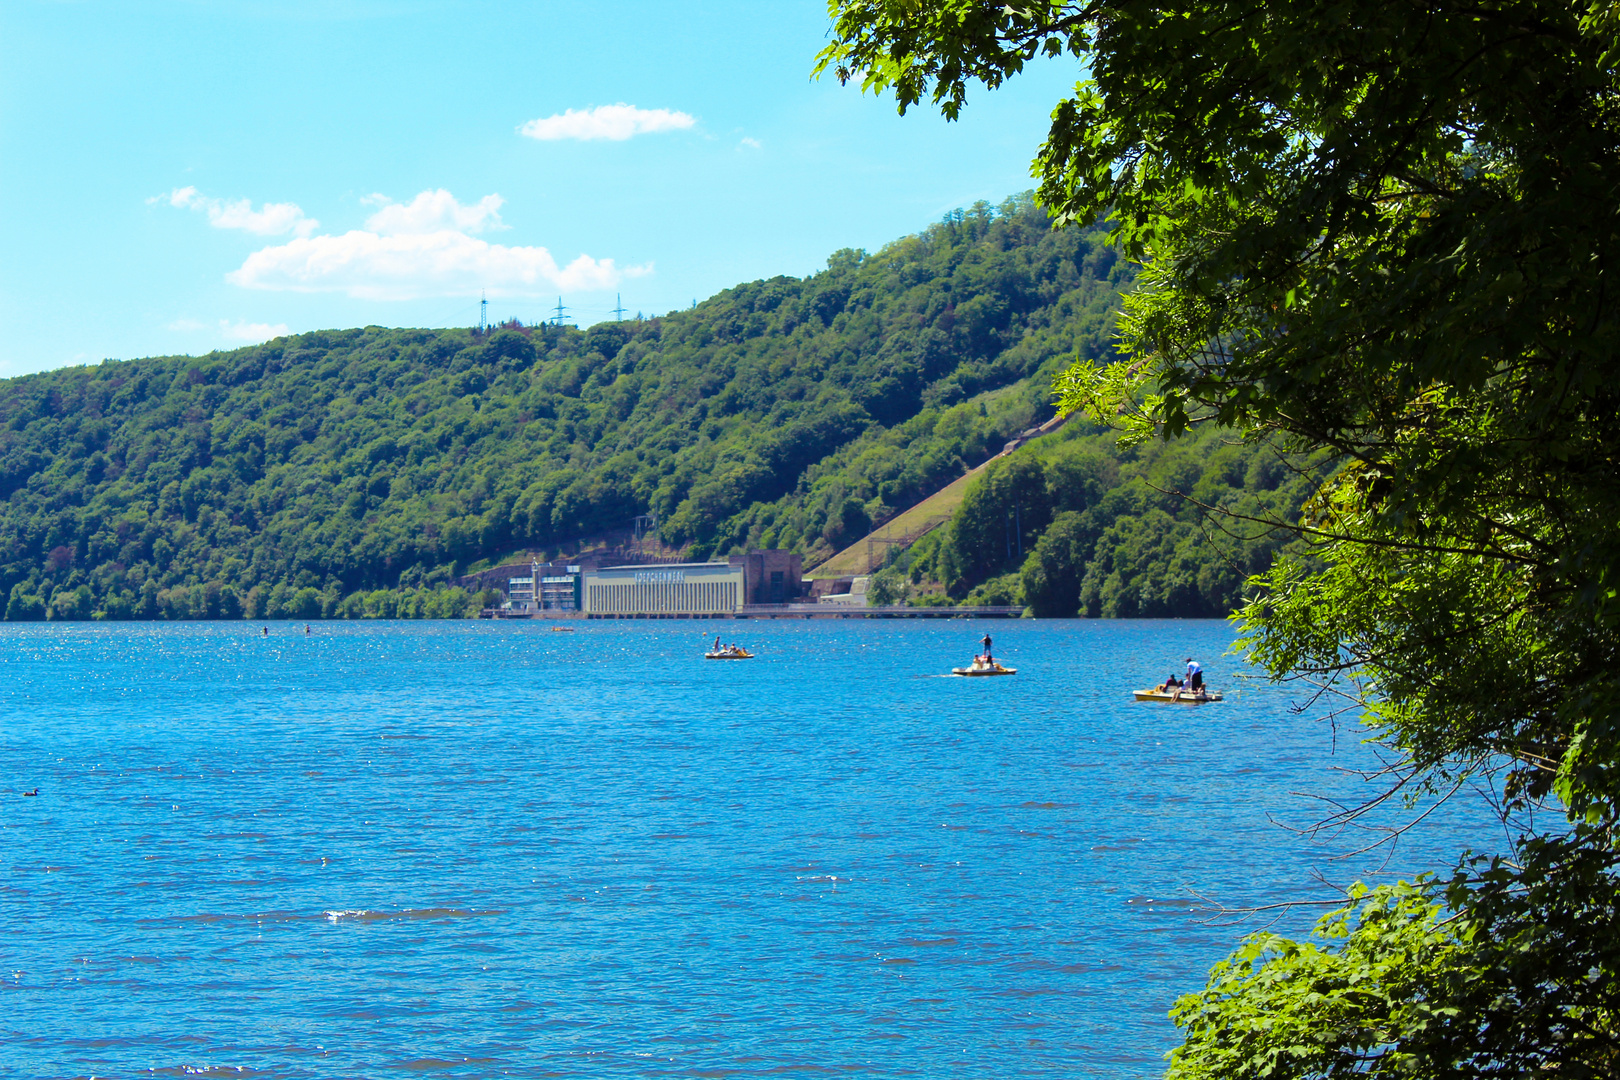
<point>1195,676</point>
<point>986,643</point>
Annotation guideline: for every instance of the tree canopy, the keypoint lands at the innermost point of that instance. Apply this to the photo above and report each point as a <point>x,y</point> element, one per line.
<point>1381,232</point>
<point>1076,524</point>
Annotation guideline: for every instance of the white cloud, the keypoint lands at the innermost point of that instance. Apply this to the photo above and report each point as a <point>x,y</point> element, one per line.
<point>752,144</point>
<point>368,266</point>
<point>421,248</point>
<point>272,219</point>
<point>252,332</point>
<point>433,211</point>
<point>616,122</point>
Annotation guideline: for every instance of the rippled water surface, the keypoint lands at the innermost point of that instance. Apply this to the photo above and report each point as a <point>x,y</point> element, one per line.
<point>496,850</point>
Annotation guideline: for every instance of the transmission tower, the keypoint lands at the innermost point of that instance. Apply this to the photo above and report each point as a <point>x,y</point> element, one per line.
<point>483,313</point>
<point>642,526</point>
<point>557,319</point>
<point>618,312</point>
<point>874,561</point>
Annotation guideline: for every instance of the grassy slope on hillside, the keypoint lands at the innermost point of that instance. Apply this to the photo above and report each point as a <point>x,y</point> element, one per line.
<point>896,534</point>
<point>1071,523</point>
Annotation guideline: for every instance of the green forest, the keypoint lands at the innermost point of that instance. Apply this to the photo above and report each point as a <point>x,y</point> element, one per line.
<point>357,473</point>
<point>1075,523</point>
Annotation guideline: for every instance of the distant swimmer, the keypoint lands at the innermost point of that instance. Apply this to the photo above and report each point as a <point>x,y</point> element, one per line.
<point>32,793</point>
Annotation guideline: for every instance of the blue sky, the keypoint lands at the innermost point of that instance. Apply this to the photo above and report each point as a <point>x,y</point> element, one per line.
<point>186,176</point>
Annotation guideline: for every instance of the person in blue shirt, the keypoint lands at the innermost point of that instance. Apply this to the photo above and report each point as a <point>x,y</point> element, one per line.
<point>1195,676</point>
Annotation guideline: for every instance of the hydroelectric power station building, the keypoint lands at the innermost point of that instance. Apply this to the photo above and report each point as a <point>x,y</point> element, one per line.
<point>692,590</point>
<point>760,584</point>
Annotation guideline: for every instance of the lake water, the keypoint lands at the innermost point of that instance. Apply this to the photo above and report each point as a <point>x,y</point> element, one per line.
<point>489,849</point>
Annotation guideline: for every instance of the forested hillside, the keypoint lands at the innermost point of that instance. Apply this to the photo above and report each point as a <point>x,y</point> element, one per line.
<point>1076,524</point>
<point>350,472</point>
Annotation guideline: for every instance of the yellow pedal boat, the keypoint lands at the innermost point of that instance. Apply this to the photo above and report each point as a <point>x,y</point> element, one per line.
<point>1187,698</point>
<point>729,654</point>
<point>982,666</point>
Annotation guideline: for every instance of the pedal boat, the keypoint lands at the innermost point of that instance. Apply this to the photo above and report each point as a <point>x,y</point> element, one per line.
<point>729,654</point>
<point>1187,698</point>
<point>983,666</point>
